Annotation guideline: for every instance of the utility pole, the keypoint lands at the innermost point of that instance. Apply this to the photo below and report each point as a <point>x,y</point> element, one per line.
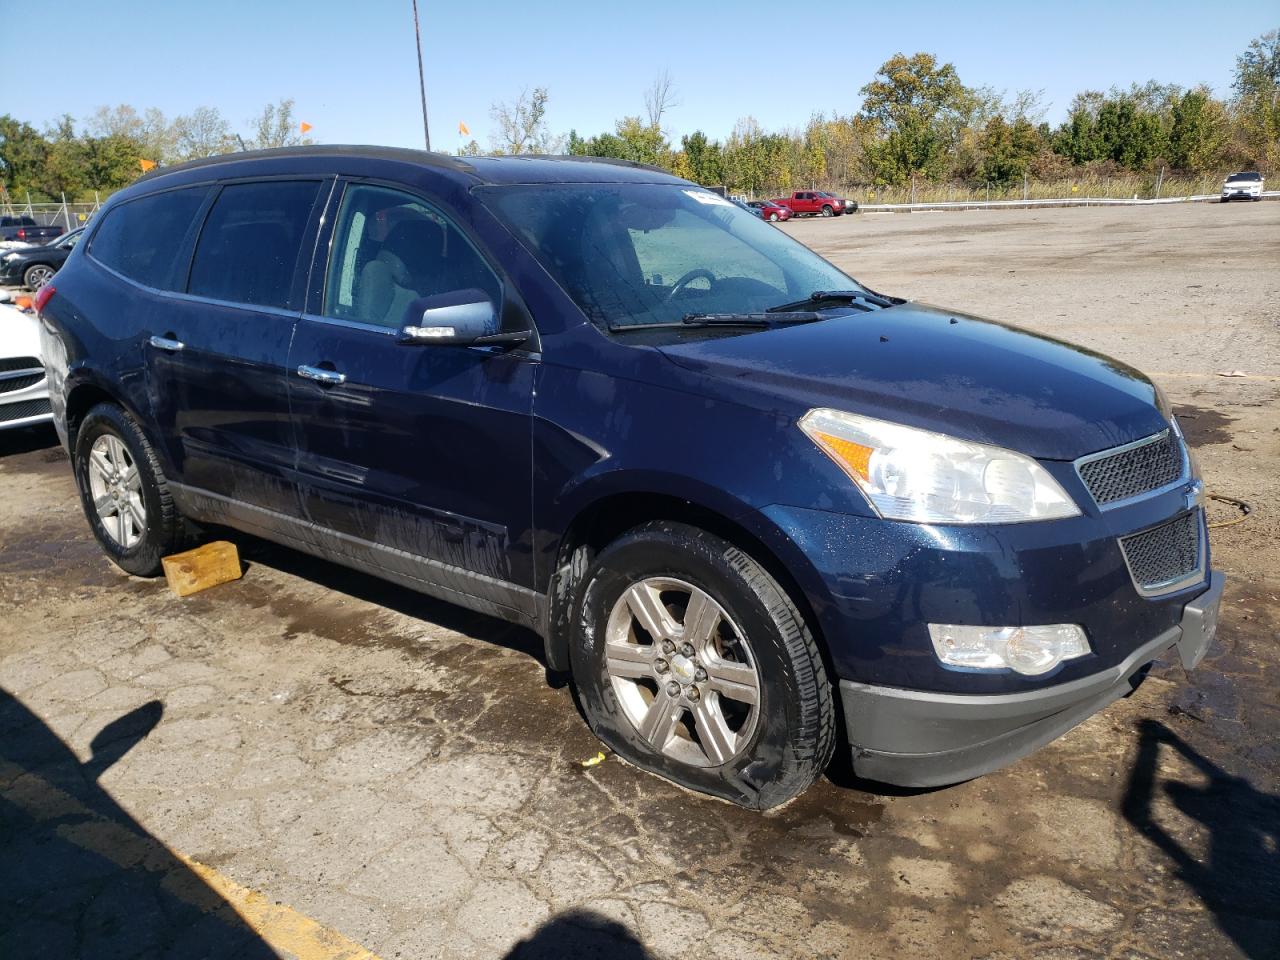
<point>422,83</point>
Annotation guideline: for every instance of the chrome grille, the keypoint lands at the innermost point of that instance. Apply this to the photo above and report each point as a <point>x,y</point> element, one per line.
<point>1133,470</point>
<point>20,411</point>
<point>1160,557</point>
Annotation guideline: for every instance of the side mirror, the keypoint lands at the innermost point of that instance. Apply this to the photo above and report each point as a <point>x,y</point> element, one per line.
<point>459,318</point>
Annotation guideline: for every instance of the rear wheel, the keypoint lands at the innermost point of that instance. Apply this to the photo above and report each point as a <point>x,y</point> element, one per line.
<point>37,275</point>
<point>124,493</point>
<point>773,218</point>
<point>692,663</point>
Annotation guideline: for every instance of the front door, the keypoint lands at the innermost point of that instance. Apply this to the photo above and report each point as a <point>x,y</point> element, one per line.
<point>413,459</point>
<point>217,353</point>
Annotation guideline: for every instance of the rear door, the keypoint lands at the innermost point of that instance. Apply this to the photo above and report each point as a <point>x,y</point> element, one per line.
<point>414,459</point>
<point>217,353</point>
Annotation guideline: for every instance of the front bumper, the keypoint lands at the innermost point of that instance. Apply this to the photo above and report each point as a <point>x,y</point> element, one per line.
<point>921,739</point>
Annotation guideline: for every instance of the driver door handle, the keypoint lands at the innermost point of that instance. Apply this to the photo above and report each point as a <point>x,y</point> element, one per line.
<point>320,375</point>
<point>167,343</point>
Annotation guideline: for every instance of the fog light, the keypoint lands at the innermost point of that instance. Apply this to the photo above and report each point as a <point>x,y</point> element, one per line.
<point>1026,650</point>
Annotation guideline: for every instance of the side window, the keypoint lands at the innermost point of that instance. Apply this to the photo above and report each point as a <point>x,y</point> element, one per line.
<point>142,238</point>
<point>248,249</point>
<point>389,249</point>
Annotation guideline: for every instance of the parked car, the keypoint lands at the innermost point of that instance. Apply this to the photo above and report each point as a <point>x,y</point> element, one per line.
<point>816,202</point>
<point>33,267</point>
<point>24,391</point>
<point>26,230</point>
<point>769,210</point>
<point>1242,186</point>
<point>741,497</point>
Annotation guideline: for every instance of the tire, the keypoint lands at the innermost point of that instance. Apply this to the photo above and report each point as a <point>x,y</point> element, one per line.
<point>827,211</point>
<point>756,756</point>
<point>773,218</point>
<point>138,546</point>
<point>37,275</point>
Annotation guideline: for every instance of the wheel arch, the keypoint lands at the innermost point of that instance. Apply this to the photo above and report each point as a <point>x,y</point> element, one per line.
<point>85,391</point>
<point>604,519</point>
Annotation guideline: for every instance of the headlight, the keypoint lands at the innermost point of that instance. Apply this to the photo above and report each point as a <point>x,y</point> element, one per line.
<point>916,475</point>
<point>1027,650</point>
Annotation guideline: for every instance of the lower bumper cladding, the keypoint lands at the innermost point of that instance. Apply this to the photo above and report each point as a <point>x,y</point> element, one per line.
<point>916,738</point>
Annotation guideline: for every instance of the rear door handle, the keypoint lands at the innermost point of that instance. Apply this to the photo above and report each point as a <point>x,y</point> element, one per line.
<point>167,343</point>
<point>321,375</point>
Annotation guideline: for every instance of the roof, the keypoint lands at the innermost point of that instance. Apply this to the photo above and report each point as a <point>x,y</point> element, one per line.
<point>525,168</point>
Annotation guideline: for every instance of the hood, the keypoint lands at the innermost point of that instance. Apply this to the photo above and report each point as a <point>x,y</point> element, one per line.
<point>19,333</point>
<point>942,371</point>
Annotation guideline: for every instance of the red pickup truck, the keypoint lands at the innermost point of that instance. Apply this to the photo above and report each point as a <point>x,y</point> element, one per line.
<point>812,202</point>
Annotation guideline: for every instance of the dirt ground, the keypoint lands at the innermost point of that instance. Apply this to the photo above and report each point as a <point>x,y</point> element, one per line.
<point>311,763</point>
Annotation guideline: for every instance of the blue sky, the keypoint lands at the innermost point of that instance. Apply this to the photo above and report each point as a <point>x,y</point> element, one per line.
<point>351,69</point>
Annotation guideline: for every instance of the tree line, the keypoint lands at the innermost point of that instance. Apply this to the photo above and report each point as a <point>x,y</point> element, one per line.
<point>104,153</point>
<point>917,123</point>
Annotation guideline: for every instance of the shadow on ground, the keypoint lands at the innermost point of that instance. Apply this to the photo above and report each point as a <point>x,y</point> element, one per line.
<point>80,877</point>
<point>582,935</point>
<point>1240,875</point>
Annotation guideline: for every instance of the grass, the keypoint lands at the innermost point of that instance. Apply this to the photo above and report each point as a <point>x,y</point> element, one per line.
<point>1113,188</point>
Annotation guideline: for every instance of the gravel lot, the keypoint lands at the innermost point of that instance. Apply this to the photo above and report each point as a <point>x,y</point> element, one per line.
<point>311,760</point>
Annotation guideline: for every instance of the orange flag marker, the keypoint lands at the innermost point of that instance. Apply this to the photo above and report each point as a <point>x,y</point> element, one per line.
<point>304,126</point>
<point>462,129</point>
<point>147,165</point>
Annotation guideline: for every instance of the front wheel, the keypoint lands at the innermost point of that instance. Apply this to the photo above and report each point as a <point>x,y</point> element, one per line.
<point>692,663</point>
<point>124,493</point>
<point>773,218</point>
<point>827,211</point>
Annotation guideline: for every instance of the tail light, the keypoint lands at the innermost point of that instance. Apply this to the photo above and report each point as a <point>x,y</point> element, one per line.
<point>22,234</point>
<point>43,296</point>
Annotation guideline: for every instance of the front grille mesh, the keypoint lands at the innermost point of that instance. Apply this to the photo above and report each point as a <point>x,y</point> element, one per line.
<point>1137,470</point>
<point>9,364</point>
<point>27,408</point>
<point>20,383</point>
<point>1165,553</point>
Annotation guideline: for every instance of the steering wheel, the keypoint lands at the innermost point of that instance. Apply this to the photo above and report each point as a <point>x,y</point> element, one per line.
<point>688,278</point>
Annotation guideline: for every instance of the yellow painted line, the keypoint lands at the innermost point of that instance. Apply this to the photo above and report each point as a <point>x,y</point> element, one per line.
<point>282,928</point>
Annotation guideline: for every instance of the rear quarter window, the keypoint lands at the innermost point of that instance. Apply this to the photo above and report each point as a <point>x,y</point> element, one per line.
<point>143,239</point>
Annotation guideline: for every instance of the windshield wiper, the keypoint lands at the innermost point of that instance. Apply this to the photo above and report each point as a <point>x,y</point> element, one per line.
<point>772,318</point>
<point>835,297</point>
<point>759,321</point>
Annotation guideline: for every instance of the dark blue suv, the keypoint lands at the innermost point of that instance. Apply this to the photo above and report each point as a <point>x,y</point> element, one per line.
<point>755,508</point>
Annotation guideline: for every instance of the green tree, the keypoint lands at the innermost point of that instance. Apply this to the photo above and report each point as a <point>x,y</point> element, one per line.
<point>23,155</point>
<point>916,105</point>
<point>275,126</point>
<point>1008,150</point>
<point>1257,100</point>
<point>704,162</point>
<point>1199,133</point>
<point>522,124</point>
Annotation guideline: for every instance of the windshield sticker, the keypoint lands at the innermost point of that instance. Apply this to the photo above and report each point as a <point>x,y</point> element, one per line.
<point>706,196</point>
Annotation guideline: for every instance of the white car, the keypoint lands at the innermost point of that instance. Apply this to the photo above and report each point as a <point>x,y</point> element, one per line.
<point>1242,186</point>
<point>24,391</point>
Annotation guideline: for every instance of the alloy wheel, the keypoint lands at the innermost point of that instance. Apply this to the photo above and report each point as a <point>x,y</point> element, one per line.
<point>38,276</point>
<point>116,488</point>
<point>682,671</point>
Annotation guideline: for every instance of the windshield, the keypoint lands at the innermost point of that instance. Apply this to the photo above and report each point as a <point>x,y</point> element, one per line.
<point>1243,177</point>
<point>632,254</point>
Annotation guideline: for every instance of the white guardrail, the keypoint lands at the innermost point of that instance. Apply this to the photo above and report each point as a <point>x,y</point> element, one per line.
<point>1064,202</point>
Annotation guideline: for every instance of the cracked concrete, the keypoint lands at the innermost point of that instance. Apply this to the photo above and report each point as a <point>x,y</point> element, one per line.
<point>402,771</point>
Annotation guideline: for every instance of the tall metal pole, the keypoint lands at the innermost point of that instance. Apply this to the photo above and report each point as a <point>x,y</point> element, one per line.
<point>422,83</point>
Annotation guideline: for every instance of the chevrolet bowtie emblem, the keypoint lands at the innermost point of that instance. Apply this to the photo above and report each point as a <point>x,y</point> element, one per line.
<point>1193,494</point>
